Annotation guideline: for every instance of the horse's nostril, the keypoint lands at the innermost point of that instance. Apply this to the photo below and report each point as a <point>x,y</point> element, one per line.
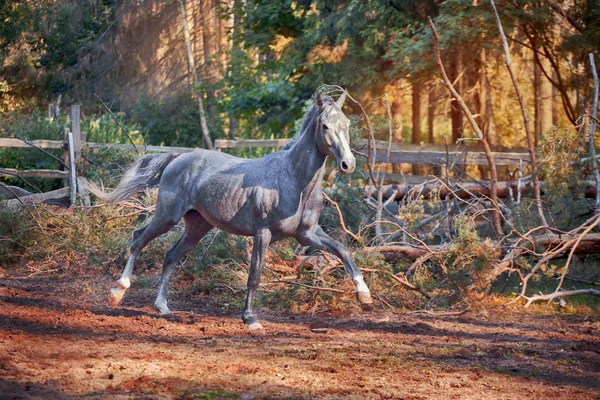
<point>344,166</point>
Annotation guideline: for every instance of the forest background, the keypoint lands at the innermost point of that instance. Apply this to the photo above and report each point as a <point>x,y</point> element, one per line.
<point>247,69</point>
<point>259,61</point>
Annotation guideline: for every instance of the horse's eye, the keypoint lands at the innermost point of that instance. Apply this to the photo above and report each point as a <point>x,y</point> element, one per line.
<point>325,127</point>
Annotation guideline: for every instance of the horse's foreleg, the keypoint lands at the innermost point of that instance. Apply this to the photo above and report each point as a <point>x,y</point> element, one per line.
<point>259,251</point>
<point>320,240</point>
<point>141,238</point>
<point>195,229</point>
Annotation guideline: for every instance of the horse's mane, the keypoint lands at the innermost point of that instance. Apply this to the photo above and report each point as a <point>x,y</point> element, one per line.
<point>307,120</point>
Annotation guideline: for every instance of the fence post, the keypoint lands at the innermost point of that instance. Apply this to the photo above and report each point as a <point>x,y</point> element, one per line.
<point>76,130</point>
<point>51,111</point>
<point>72,174</point>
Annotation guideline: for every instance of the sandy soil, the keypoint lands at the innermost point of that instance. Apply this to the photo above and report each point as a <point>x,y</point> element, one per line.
<point>58,339</point>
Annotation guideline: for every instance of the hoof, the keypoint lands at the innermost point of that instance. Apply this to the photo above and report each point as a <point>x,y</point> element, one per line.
<point>255,326</point>
<point>115,296</point>
<point>364,297</point>
<point>163,310</point>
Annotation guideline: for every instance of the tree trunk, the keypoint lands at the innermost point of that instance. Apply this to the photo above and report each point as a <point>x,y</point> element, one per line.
<point>397,114</point>
<point>431,108</point>
<point>211,65</point>
<point>542,89</point>
<point>416,122</point>
<point>235,45</point>
<point>192,66</point>
<point>455,114</point>
<point>487,111</point>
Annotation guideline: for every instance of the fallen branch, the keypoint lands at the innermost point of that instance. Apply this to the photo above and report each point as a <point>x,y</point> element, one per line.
<point>565,293</point>
<point>409,285</point>
<point>466,191</point>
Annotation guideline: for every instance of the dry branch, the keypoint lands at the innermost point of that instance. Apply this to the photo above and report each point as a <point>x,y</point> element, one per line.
<point>552,296</point>
<point>530,141</point>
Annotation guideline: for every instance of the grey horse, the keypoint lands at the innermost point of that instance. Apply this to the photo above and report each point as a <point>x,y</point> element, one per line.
<point>270,198</point>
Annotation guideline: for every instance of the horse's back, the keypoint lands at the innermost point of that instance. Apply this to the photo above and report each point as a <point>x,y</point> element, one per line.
<point>234,194</point>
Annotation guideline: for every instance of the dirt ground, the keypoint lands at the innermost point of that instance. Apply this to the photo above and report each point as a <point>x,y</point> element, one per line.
<point>58,339</point>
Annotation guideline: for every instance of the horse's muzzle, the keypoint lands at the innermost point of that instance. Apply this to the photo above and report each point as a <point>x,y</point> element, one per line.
<point>347,165</point>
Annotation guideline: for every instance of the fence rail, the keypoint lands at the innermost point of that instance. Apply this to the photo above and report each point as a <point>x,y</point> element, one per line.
<point>400,153</point>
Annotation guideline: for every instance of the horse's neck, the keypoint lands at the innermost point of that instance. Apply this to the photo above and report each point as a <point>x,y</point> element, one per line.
<point>306,160</point>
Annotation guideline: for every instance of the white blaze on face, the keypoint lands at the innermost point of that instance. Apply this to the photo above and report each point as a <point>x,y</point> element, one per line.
<point>338,136</point>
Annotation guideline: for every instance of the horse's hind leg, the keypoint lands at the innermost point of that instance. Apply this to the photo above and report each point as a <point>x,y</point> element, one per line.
<point>195,229</point>
<point>141,237</point>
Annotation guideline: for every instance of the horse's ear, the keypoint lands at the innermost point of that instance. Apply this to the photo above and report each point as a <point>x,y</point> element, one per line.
<point>320,100</point>
<point>340,101</point>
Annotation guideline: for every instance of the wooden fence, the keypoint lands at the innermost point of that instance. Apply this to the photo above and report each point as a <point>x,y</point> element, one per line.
<point>74,139</point>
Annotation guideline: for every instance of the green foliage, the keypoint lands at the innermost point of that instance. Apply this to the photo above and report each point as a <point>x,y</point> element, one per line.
<point>174,121</point>
<point>469,260</point>
<point>564,178</point>
<point>104,129</point>
<point>44,40</point>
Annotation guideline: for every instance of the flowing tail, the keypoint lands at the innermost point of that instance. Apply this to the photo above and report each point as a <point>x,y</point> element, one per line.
<point>145,172</point>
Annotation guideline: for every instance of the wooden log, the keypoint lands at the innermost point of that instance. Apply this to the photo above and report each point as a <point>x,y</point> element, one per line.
<point>53,197</point>
<point>83,192</point>
<point>589,244</point>
<point>42,143</point>
<point>34,173</point>
<point>464,191</point>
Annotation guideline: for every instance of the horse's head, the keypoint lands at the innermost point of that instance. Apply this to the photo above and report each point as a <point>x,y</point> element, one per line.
<point>333,135</point>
